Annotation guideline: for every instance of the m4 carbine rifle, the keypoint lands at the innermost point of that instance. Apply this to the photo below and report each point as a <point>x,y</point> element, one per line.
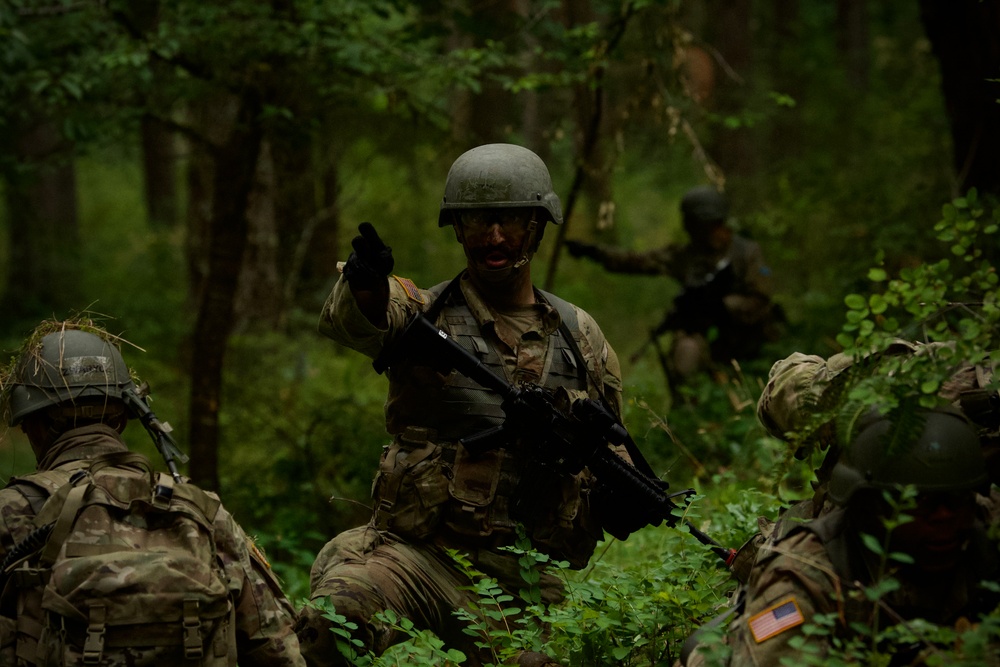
<point>571,439</point>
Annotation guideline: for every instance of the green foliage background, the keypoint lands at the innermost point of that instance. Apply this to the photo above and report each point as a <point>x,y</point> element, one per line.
<point>302,418</point>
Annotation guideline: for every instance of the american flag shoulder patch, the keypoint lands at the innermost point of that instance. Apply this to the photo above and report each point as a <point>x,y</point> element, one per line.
<point>775,620</point>
<point>411,290</point>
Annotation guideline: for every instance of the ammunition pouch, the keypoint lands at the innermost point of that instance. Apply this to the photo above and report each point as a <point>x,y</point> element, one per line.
<point>411,486</point>
<point>473,487</point>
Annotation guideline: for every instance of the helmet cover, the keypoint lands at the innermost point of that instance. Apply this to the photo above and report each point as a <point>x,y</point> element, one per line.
<point>944,455</point>
<point>499,176</point>
<point>64,367</point>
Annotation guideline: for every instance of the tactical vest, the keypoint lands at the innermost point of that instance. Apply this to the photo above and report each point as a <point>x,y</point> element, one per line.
<point>121,568</point>
<point>430,487</point>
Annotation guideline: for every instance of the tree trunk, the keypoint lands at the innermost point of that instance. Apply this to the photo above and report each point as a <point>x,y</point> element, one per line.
<point>43,268</point>
<point>159,154</point>
<point>259,297</point>
<point>591,132</point>
<point>233,168</point>
<point>315,254</point>
<point>732,149</point>
<point>966,40</point>
<point>854,42</point>
<point>159,168</point>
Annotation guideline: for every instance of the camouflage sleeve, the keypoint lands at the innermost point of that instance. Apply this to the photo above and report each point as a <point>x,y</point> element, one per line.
<point>264,616</point>
<point>783,597</point>
<point>795,384</point>
<point>343,321</point>
<point>602,361</point>
<point>16,518</point>
<point>649,262</point>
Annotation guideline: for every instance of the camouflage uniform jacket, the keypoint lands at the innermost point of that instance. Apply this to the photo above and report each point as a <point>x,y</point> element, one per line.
<point>429,487</point>
<point>749,300</point>
<point>264,617</point>
<point>812,571</point>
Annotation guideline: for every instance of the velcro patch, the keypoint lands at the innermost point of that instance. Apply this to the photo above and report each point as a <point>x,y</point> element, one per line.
<point>410,289</point>
<point>775,620</point>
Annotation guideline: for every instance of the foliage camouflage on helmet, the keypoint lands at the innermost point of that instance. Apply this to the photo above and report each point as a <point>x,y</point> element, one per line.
<point>943,454</point>
<point>64,362</point>
<point>704,204</point>
<point>499,176</point>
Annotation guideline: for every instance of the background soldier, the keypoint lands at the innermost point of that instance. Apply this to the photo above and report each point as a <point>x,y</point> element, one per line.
<point>431,493</point>
<point>725,310</point>
<point>105,561</point>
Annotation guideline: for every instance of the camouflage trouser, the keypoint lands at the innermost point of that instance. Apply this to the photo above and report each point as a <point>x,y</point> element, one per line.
<point>363,571</point>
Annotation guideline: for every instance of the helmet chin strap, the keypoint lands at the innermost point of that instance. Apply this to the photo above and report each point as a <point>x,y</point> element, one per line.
<point>529,243</point>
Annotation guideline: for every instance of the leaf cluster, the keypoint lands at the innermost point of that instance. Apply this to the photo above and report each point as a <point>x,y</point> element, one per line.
<point>943,314</point>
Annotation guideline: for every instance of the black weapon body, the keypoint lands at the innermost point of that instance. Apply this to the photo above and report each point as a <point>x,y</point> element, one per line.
<point>159,431</point>
<point>572,439</point>
<point>698,307</point>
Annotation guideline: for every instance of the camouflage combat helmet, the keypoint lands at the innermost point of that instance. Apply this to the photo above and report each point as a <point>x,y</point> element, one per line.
<point>944,456</point>
<point>704,204</point>
<point>65,367</point>
<point>499,176</point>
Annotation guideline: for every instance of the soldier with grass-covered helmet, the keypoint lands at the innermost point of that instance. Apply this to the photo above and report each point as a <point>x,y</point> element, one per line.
<point>903,493</point>
<point>430,492</point>
<point>105,560</point>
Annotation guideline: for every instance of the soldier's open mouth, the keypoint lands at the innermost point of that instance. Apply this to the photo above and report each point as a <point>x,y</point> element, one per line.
<point>496,259</point>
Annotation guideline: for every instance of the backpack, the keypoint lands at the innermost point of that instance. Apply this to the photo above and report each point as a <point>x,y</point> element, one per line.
<point>123,569</point>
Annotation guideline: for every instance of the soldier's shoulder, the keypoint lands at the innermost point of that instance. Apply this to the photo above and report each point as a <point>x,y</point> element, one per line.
<point>794,548</point>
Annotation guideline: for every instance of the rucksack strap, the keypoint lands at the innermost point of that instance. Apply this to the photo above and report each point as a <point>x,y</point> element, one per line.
<point>71,505</point>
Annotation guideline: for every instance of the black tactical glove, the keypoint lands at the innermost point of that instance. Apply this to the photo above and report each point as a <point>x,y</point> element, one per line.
<point>580,249</point>
<point>371,261</point>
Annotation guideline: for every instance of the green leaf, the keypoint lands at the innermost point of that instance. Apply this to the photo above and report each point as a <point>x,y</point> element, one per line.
<point>872,544</point>
<point>855,301</point>
<point>877,275</point>
<point>878,304</point>
<point>621,652</point>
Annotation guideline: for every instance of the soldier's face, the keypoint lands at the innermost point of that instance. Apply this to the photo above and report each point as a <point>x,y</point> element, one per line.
<point>494,239</point>
<point>939,532</point>
<point>710,236</point>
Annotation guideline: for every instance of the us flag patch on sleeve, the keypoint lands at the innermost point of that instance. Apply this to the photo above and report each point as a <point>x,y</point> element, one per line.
<point>775,620</point>
<point>410,289</point>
